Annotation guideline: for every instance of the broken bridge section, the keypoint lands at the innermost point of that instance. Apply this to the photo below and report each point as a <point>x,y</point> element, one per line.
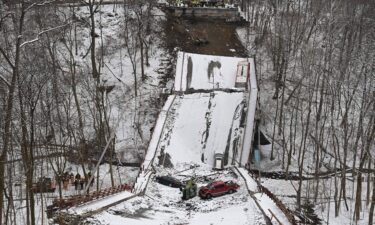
<point>206,115</point>
<point>217,117</point>
<point>203,126</point>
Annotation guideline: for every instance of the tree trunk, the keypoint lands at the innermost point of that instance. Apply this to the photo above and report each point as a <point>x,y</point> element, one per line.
<point>8,111</point>
<point>371,212</point>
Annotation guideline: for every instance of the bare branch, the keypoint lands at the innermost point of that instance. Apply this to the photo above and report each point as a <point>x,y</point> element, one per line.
<point>43,32</point>
<point>6,57</point>
<point>30,6</point>
<point>4,17</point>
<point>5,81</point>
<point>39,4</point>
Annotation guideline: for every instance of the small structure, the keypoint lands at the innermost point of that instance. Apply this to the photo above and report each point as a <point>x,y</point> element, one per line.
<point>218,161</point>
<point>243,74</point>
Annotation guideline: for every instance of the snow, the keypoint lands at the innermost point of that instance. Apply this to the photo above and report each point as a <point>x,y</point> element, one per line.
<point>144,175</point>
<point>225,216</point>
<point>251,184</point>
<point>154,143</point>
<point>207,71</point>
<point>188,140</point>
<point>163,205</point>
<point>203,121</point>
<point>212,72</point>
<point>142,181</point>
<point>267,204</point>
<point>44,199</point>
<point>121,104</point>
<point>190,129</point>
<point>263,200</point>
<point>98,204</point>
<point>187,143</point>
<point>252,103</point>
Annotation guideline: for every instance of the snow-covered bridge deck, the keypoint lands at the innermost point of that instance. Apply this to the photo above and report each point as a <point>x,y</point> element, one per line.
<point>193,127</point>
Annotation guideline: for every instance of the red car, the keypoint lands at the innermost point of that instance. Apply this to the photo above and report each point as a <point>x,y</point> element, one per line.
<point>217,188</point>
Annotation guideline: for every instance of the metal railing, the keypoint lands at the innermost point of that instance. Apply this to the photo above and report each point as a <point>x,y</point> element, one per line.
<point>76,200</point>
<point>277,201</point>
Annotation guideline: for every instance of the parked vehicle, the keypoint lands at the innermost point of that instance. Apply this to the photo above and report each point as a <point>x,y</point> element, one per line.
<point>44,184</point>
<point>169,181</point>
<point>217,188</point>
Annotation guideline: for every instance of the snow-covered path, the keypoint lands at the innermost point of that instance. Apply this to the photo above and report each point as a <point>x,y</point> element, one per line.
<point>163,205</point>
<point>99,204</point>
<point>264,202</point>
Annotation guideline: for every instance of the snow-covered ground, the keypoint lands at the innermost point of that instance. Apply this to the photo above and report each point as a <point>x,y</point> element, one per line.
<point>122,175</point>
<point>98,204</point>
<point>163,205</point>
<point>265,203</point>
<point>203,125</point>
<point>195,71</point>
<point>324,205</point>
<point>193,127</point>
<point>190,129</point>
<point>123,107</point>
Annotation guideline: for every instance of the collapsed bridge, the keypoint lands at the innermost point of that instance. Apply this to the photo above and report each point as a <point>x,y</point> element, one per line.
<point>211,111</point>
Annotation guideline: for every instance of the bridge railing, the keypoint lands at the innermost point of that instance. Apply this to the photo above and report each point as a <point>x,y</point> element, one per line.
<point>276,200</point>
<point>76,200</point>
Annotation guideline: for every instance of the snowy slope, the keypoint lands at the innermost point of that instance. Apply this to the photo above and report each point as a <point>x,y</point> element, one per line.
<point>262,199</point>
<point>190,129</point>
<point>202,126</point>
<point>193,127</point>
<point>163,205</point>
<point>156,136</point>
<point>208,72</point>
<point>205,71</point>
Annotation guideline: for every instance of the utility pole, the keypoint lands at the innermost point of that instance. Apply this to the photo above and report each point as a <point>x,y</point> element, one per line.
<point>98,163</point>
<point>259,175</point>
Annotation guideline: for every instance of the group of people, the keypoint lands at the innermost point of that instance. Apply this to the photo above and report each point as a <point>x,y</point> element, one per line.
<point>79,181</point>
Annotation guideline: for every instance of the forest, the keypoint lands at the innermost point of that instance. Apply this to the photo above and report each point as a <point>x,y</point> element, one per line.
<point>77,78</point>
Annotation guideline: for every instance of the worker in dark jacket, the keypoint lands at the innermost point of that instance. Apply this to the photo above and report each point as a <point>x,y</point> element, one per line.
<point>77,180</point>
